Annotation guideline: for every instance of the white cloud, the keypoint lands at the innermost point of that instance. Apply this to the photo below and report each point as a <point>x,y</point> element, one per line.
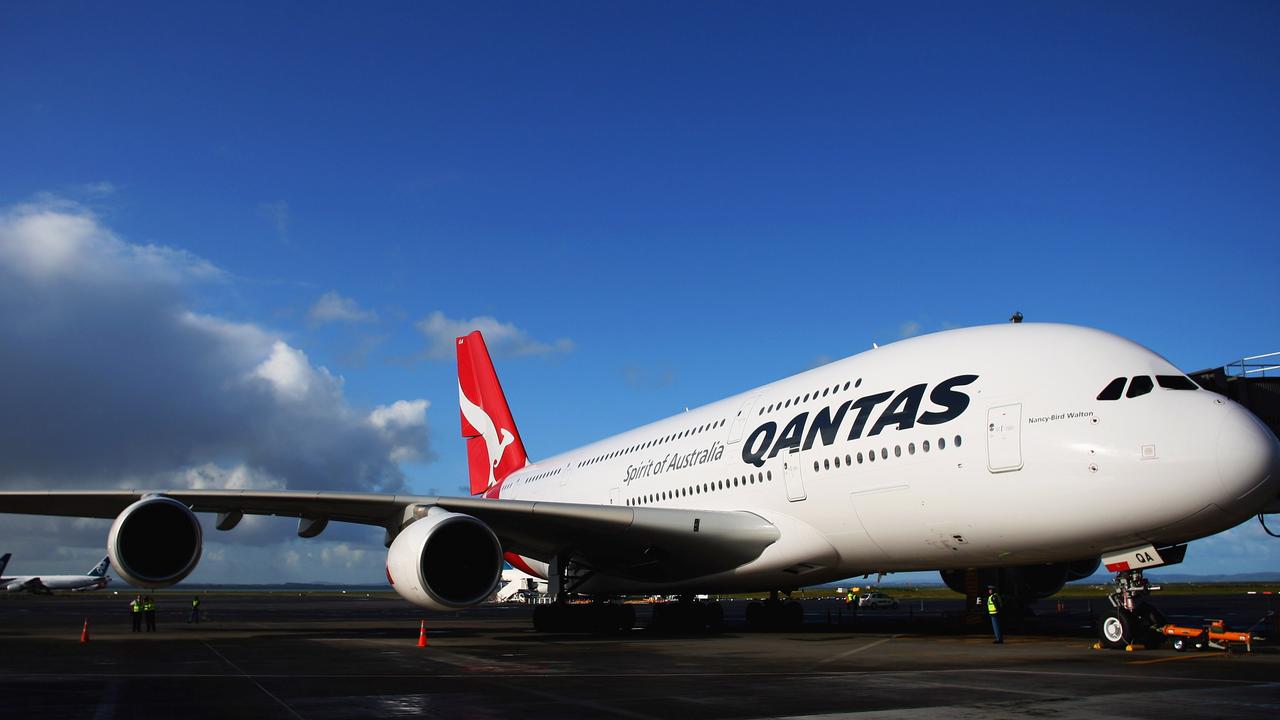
<point>908,329</point>
<point>100,189</point>
<point>502,338</point>
<point>277,214</point>
<point>403,423</point>
<point>103,354</point>
<point>332,307</point>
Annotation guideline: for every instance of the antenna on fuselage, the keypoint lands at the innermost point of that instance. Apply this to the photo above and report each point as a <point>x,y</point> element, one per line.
<point>1016,317</point>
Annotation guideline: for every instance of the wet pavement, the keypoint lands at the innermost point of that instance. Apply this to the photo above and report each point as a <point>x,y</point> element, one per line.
<point>286,656</point>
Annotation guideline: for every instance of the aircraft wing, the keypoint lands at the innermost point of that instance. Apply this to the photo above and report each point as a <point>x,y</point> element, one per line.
<point>649,544</point>
<point>31,585</point>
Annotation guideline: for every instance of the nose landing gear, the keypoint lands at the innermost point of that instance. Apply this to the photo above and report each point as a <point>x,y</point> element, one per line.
<point>1131,619</point>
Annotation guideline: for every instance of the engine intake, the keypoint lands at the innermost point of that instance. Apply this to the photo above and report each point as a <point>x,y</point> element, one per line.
<point>155,542</point>
<point>445,561</point>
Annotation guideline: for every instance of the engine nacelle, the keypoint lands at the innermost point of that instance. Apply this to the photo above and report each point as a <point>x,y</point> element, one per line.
<point>445,561</point>
<point>155,542</point>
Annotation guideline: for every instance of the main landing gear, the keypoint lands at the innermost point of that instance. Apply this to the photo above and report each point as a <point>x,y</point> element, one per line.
<point>774,614</point>
<point>1131,619</point>
<point>563,616</point>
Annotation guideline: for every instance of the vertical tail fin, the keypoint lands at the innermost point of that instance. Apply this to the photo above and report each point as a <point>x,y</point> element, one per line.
<point>101,568</point>
<point>494,448</point>
<point>4,562</point>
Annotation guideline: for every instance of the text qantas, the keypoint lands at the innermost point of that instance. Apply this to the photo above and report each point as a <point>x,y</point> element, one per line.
<point>902,412</point>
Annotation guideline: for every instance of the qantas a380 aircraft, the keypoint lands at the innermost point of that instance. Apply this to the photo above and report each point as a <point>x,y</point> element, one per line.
<point>1026,451</point>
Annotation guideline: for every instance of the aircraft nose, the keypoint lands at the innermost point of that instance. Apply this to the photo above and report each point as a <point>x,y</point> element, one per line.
<point>1248,456</point>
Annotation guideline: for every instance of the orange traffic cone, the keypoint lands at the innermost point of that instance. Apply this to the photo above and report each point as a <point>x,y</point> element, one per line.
<point>422,634</point>
<point>84,632</point>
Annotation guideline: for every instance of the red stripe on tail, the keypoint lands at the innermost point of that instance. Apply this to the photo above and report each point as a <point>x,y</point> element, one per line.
<point>494,448</point>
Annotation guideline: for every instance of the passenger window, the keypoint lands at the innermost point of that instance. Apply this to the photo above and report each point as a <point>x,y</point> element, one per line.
<point>859,457</point>
<point>1176,382</point>
<point>1112,390</point>
<point>826,464</point>
<point>1140,385</point>
<point>884,453</point>
<point>846,386</point>
<point>942,443</point>
<point>925,445</point>
<point>815,466</point>
<point>911,448</point>
<point>897,451</point>
<point>957,441</point>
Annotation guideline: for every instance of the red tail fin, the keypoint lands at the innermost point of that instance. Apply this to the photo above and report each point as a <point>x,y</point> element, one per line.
<point>494,448</point>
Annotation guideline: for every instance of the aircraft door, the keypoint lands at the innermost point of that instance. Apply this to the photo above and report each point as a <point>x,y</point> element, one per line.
<point>1004,438</point>
<point>741,419</point>
<point>793,475</point>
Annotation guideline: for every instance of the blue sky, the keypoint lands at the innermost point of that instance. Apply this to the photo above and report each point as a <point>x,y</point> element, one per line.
<point>660,203</point>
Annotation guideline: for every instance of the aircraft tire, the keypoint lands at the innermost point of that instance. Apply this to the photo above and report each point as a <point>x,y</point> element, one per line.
<point>1115,629</point>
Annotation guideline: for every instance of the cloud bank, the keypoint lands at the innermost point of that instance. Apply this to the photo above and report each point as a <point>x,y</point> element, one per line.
<point>112,379</point>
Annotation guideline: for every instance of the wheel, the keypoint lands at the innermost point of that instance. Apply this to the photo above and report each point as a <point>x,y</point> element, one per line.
<point>1114,629</point>
<point>793,614</point>
<point>1180,644</point>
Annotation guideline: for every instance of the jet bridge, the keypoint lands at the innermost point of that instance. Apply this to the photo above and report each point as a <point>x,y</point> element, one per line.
<point>1254,382</point>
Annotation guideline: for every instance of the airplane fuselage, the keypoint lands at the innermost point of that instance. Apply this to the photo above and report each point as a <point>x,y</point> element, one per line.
<point>984,446</point>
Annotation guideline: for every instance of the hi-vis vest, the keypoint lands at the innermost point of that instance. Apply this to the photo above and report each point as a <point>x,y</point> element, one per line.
<point>135,606</point>
<point>195,604</point>
<point>992,609</point>
<point>149,607</point>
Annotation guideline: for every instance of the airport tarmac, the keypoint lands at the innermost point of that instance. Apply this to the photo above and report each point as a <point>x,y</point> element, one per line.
<point>286,656</point>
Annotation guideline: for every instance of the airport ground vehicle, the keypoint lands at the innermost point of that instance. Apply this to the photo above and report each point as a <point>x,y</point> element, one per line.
<point>876,600</point>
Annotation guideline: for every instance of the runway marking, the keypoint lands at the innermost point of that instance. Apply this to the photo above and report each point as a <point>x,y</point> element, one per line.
<point>250,678</point>
<point>1175,657</point>
<point>1109,676</point>
<point>858,649</point>
<point>617,676</point>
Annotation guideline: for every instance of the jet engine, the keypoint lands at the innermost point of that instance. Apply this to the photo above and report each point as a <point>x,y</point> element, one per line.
<point>445,561</point>
<point>1026,583</point>
<point>155,542</point>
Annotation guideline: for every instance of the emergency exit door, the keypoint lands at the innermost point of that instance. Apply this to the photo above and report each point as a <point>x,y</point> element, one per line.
<point>1004,438</point>
<point>793,475</point>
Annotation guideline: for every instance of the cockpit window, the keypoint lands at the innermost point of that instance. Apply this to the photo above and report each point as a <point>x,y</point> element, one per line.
<point>1140,385</point>
<point>1176,382</point>
<point>1112,390</point>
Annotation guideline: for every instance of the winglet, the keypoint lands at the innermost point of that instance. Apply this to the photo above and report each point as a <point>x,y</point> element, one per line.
<point>494,448</point>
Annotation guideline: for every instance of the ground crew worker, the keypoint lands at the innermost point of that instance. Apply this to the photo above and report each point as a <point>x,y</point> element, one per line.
<point>994,604</point>
<point>195,611</point>
<point>149,609</point>
<point>135,613</point>
<point>848,599</point>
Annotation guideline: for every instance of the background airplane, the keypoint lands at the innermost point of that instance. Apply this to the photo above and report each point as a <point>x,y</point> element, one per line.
<point>1025,453</point>
<point>95,579</point>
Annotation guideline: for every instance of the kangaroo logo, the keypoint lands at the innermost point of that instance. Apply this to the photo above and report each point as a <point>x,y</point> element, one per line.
<point>480,420</point>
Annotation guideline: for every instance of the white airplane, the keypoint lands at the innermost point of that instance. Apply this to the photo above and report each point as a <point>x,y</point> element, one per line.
<point>1028,451</point>
<point>517,585</point>
<point>95,579</point>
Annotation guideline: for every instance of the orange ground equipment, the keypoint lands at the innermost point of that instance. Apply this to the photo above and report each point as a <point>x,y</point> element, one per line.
<point>1213,635</point>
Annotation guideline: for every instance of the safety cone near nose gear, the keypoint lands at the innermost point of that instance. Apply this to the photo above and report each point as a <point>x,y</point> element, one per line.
<point>84,632</point>
<point>422,634</point>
